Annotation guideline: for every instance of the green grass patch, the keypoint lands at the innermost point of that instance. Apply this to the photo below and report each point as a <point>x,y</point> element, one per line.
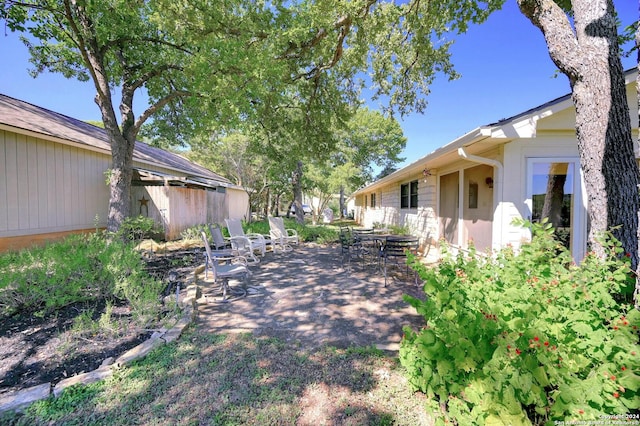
<point>241,379</point>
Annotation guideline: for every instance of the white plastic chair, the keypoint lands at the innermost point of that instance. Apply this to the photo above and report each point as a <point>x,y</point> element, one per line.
<point>244,248</point>
<point>258,242</point>
<point>282,237</point>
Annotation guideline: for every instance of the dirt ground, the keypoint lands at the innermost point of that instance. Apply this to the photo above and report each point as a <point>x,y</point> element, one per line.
<point>305,297</point>
<point>37,349</point>
<point>309,298</point>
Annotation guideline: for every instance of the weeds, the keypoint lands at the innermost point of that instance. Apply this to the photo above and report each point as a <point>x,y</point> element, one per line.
<point>78,269</point>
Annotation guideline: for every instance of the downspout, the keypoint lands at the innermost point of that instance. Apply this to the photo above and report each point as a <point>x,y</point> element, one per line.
<point>497,196</point>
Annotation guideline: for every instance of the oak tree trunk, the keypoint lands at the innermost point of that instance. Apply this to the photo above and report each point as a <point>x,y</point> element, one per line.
<point>120,181</point>
<point>297,192</point>
<point>588,54</point>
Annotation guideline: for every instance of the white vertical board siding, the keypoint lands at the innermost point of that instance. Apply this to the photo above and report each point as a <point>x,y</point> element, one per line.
<point>157,206</point>
<point>11,178</point>
<point>421,221</point>
<point>49,187</point>
<point>3,182</point>
<point>59,191</point>
<point>217,206</point>
<point>66,186</point>
<point>237,203</point>
<point>76,177</point>
<point>22,168</point>
<point>187,207</point>
<point>32,178</point>
<point>175,209</point>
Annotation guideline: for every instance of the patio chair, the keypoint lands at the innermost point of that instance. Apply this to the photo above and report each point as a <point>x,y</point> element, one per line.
<point>219,241</point>
<point>257,242</point>
<point>244,248</point>
<point>397,248</point>
<point>280,236</point>
<point>368,241</point>
<point>350,247</point>
<point>224,264</point>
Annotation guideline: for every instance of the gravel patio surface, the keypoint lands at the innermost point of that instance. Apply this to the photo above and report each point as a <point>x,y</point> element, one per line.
<point>307,297</point>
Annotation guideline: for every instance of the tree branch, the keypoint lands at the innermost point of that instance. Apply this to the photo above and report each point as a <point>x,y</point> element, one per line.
<point>159,105</point>
<point>156,72</point>
<point>344,25</point>
<point>561,39</point>
<point>121,41</point>
<point>89,50</point>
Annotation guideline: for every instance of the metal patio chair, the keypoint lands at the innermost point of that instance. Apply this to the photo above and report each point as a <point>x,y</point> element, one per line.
<point>396,249</point>
<point>224,265</point>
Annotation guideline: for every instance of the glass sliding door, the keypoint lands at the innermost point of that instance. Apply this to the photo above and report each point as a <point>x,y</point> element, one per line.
<point>554,192</point>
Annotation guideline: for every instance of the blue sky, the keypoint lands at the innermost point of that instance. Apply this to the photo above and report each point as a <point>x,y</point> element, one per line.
<point>504,64</point>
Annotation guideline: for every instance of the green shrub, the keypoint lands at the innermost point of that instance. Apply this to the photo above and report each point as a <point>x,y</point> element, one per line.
<point>308,233</point>
<point>527,337</point>
<point>80,268</point>
<point>138,228</point>
<point>256,227</point>
<point>319,233</point>
<point>193,232</point>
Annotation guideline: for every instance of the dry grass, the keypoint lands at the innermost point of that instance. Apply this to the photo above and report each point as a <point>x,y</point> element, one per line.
<point>243,380</point>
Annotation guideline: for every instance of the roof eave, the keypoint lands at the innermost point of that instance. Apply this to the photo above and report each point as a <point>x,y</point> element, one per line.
<point>468,139</point>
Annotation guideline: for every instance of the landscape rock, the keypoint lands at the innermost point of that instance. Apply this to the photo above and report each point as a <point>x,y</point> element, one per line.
<point>138,352</point>
<point>84,379</point>
<point>23,398</point>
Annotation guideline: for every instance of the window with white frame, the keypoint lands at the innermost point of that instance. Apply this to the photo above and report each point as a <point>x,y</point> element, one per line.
<point>373,200</point>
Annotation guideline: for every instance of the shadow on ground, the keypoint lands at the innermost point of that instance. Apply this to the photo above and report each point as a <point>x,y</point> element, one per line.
<point>309,298</point>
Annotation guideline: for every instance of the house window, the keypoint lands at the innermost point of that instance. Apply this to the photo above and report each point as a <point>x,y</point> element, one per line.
<point>414,195</point>
<point>373,200</point>
<point>404,196</point>
<point>409,195</point>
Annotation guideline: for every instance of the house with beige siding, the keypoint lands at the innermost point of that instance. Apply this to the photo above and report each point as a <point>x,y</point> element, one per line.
<point>53,180</point>
<point>470,190</point>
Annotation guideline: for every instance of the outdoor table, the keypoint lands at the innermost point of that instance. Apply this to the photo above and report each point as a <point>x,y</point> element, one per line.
<point>368,242</point>
<point>376,242</point>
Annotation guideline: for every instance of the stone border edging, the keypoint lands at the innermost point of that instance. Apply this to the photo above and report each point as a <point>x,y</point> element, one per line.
<point>19,400</point>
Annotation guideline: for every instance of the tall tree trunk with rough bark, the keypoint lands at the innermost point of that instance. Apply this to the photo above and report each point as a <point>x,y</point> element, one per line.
<point>588,54</point>
<point>123,140</point>
<point>297,192</point>
<point>120,181</point>
<point>636,295</point>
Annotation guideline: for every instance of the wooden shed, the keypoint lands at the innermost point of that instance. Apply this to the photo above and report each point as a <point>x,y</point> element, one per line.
<point>52,180</point>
